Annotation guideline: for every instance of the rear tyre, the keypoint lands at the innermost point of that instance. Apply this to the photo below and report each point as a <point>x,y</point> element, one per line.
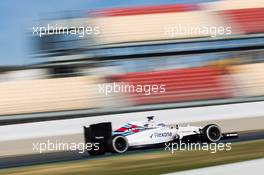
<point>118,144</point>
<point>211,133</point>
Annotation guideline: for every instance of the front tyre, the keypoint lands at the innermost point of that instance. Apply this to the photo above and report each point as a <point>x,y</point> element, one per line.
<point>119,144</point>
<point>211,133</point>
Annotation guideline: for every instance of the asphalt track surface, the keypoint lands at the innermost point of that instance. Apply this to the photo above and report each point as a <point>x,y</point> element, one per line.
<point>36,159</point>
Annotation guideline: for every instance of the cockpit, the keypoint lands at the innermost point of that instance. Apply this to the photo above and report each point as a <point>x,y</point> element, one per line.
<point>138,126</point>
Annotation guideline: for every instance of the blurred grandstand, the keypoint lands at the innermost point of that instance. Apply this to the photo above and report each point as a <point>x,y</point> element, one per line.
<point>134,49</point>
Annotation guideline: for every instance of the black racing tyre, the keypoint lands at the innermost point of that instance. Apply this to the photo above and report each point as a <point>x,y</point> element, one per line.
<point>211,133</point>
<point>118,144</point>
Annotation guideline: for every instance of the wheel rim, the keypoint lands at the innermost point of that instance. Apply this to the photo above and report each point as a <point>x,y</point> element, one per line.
<point>214,133</point>
<point>120,144</point>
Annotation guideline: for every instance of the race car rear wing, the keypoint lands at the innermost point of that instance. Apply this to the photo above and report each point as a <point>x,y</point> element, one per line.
<point>100,134</point>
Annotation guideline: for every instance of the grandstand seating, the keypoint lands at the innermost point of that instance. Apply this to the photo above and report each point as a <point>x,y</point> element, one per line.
<point>181,85</point>
<point>57,94</point>
<point>217,80</point>
<point>148,23</point>
<point>247,20</point>
<point>139,24</point>
<point>231,4</point>
<point>249,79</point>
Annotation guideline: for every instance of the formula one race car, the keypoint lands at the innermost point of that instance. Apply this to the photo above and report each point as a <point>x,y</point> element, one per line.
<point>147,134</point>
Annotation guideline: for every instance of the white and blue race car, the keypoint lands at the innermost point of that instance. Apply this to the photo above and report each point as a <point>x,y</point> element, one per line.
<point>146,134</point>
